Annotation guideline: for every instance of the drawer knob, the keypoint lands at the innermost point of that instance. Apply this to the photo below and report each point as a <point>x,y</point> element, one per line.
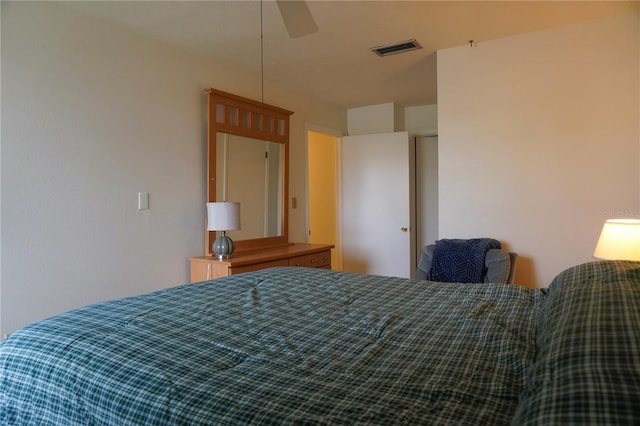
<point>297,264</point>
<point>313,261</point>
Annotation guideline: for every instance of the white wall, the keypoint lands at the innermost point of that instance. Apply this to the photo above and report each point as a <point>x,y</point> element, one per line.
<point>539,141</point>
<point>370,119</point>
<point>92,114</point>
<point>388,118</point>
<point>421,120</point>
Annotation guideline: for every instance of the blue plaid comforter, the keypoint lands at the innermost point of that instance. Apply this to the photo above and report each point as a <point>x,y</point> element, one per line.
<point>285,346</point>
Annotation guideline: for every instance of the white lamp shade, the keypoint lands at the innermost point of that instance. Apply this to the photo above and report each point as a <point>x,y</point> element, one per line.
<point>223,216</point>
<point>619,240</point>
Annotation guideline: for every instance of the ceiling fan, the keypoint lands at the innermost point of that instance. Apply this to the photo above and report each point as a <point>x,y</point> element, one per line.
<point>297,17</point>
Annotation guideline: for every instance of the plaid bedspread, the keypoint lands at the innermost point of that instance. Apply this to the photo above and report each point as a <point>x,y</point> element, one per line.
<point>285,346</point>
<point>587,367</point>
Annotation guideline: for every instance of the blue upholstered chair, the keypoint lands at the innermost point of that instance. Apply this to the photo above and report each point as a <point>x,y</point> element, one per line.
<point>500,265</point>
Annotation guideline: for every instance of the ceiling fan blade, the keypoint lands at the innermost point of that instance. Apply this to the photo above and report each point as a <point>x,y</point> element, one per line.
<point>297,17</point>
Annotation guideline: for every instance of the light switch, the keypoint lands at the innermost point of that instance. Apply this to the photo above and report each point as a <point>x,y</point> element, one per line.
<point>143,201</point>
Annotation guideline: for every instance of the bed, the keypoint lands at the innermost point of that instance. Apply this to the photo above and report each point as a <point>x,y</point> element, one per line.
<point>300,346</point>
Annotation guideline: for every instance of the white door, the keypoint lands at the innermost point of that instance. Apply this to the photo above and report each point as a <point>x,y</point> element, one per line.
<point>377,206</point>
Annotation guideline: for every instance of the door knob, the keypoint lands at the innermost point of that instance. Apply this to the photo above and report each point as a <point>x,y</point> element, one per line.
<point>404,229</point>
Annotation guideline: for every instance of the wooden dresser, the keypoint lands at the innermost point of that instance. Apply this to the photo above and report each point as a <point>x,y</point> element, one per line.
<point>308,255</point>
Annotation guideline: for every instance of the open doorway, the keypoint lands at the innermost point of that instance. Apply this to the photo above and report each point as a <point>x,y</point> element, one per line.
<point>323,225</point>
<point>427,207</point>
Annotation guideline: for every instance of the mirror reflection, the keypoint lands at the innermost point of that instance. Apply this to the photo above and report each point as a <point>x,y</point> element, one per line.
<point>249,171</point>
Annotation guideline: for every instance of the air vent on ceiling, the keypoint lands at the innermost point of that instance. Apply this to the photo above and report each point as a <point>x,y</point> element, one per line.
<point>390,49</point>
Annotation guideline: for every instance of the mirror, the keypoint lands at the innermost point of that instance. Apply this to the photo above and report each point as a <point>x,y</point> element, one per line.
<point>249,171</point>
<point>247,162</point>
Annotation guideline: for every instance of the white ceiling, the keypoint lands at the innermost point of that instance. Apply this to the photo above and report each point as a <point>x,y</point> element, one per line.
<point>335,64</point>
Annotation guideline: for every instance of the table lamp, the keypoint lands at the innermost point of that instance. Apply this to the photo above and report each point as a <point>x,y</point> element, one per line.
<point>223,216</point>
<point>619,240</point>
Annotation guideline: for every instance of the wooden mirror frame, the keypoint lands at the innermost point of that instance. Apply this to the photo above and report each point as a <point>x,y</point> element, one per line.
<point>232,114</point>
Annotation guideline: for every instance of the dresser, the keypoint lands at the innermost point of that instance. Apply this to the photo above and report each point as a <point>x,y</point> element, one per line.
<point>307,255</point>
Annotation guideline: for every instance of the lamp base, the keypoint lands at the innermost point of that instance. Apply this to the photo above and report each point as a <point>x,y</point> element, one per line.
<point>222,248</point>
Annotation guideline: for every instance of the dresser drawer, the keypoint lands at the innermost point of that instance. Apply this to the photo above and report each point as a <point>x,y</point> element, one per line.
<point>258,266</point>
<point>295,254</point>
<point>314,260</point>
